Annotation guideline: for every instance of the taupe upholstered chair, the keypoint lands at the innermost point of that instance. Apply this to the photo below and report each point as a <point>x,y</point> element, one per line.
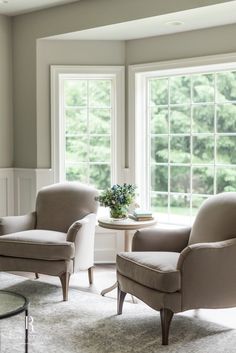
<point>57,239</point>
<point>189,268</point>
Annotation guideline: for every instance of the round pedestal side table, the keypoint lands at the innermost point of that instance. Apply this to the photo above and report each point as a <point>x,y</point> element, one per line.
<point>127,225</point>
<point>12,304</point>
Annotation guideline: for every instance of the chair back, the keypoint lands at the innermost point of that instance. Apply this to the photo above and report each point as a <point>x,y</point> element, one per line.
<point>60,205</point>
<point>216,219</point>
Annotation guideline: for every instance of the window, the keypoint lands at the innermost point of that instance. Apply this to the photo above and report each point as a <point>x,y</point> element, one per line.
<point>188,121</point>
<point>88,129</point>
<point>87,124</point>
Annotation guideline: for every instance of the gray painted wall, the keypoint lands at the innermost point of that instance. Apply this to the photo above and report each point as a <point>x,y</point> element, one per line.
<point>212,41</point>
<point>6,120</point>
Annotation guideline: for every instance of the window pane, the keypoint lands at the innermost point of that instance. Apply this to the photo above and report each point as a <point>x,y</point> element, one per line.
<point>100,176</point>
<point>226,86</point>
<point>77,173</point>
<point>180,119</point>
<point>159,120</point>
<point>192,123</point>
<point>180,89</point>
<point>225,180</point>
<point>179,179</point>
<point>100,121</point>
<point>159,202</point>
<point>159,149</point>
<point>159,178</point>
<point>196,203</point>
<point>88,107</point>
<point>76,120</point>
<point>180,149</point>
<point>179,209</point>
<point>100,93</point>
<point>76,149</point>
<point>159,205</point>
<point>203,88</point>
<point>159,91</point>
<point>226,147</point>
<point>226,118</point>
<point>75,92</point>
<point>203,149</point>
<point>203,181</point>
<point>100,150</point>
<point>203,118</point>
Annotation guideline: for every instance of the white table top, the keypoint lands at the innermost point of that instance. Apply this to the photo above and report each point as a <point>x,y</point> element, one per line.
<point>124,224</point>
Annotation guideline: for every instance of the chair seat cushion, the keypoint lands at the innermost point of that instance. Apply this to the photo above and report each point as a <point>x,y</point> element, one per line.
<point>156,270</point>
<point>37,244</point>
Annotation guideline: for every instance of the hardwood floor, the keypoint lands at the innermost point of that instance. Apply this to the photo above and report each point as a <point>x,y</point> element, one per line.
<point>105,276</point>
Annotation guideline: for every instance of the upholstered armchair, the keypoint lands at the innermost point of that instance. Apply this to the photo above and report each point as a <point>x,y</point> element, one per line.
<point>173,270</point>
<point>57,239</point>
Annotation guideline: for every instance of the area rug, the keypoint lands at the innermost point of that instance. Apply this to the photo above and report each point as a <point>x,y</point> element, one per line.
<point>87,323</point>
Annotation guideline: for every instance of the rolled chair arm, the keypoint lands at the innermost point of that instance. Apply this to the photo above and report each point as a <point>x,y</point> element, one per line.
<point>82,233</point>
<point>15,224</point>
<point>208,275</point>
<point>161,239</point>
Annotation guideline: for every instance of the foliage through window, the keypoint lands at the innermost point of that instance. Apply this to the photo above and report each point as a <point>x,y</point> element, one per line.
<point>88,116</point>
<point>191,130</point>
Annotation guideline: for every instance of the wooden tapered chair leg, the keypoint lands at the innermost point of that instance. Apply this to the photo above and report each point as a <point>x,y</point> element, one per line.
<point>120,300</point>
<point>65,279</point>
<point>166,317</point>
<point>90,275</point>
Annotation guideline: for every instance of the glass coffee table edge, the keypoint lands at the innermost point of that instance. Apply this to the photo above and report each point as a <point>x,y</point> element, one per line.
<point>24,308</point>
<point>17,311</point>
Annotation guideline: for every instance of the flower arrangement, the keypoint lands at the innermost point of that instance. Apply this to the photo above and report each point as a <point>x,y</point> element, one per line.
<point>118,198</point>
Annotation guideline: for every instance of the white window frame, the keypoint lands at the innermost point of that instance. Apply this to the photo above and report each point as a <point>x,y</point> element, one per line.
<point>138,144</point>
<point>58,74</point>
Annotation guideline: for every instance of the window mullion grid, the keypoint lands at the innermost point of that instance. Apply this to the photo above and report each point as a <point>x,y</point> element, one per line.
<point>169,137</point>
<point>85,163</point>
<point>72,107</point>
<point>215,133</point>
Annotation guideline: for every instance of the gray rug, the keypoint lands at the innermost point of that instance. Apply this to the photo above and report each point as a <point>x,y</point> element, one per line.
<point>88,324</point>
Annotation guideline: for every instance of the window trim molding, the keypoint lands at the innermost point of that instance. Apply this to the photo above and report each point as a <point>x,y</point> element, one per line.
<point>117,73</point>
<point>137,96</point>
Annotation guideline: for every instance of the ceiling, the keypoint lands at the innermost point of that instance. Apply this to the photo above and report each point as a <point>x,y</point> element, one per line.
<point>17,7</point>
<point>203,17</point>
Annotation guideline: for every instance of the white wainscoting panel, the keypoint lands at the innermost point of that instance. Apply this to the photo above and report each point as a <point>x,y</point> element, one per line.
<point>6,192</point>
<point>27,183</point>
<point>24,190</point>
<point>108,242</point>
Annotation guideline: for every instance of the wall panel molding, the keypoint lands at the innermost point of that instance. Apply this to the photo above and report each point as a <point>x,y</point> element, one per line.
<point>108,242</point>
<point>27,183</point>
<point>6,191</point>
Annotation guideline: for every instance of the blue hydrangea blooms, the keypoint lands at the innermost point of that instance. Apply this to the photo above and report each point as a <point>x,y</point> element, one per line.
<point>118,198</point>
